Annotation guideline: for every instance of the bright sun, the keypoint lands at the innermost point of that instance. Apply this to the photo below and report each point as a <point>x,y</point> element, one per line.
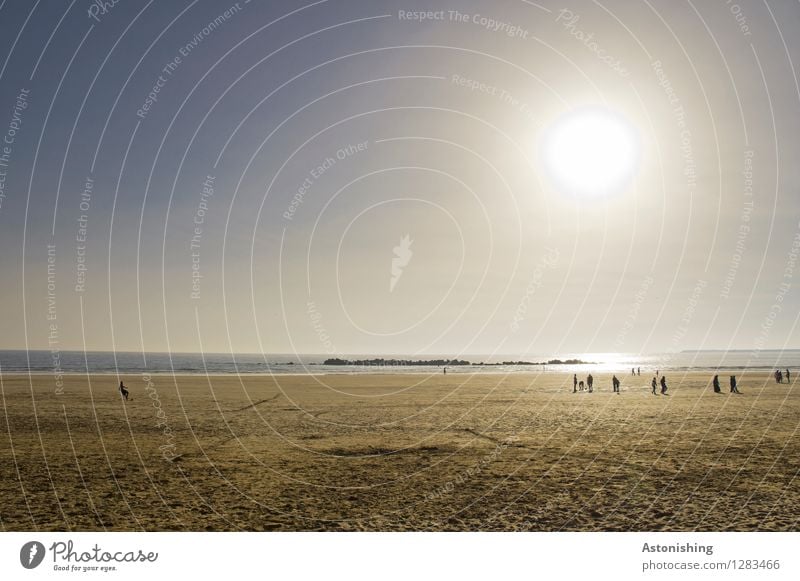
<point>591,152</point>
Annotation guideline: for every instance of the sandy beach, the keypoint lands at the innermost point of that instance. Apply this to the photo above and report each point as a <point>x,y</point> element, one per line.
<point>398,453</point>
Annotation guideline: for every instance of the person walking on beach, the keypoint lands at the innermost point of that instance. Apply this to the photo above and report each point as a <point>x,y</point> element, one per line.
<point>733,385</point>
<point>717,388</point>
<point>787,377</point>
<point>633,371</point>
<point>589,382</point>
<point>638,371</point>
<point>653,383</point>
<point>778,376</point>
<point>615,384</point>
<point>123,392</point>
<point>663,385</point>
<point>574,383</point>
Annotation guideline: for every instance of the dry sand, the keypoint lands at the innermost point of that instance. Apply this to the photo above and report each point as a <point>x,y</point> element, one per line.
<point>398,452</point>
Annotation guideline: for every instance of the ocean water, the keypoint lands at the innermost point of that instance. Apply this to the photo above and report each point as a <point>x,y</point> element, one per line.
<point>79,362</point>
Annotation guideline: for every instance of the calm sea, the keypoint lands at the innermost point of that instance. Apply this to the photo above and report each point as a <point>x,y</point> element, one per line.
<point>224,363</point>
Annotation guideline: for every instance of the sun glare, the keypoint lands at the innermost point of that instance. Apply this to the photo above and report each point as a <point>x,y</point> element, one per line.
<point>591,152</point>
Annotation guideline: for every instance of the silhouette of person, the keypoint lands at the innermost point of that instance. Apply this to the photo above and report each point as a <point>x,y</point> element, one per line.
<point>653,383</point>
<point>638,371</point>
<point>123,391</point>
<point>580,384</point>
<point>787,377</point>
<point>444,370</point>
<point>615,383</point>
<point>663,385</point>
<point>574,383</point>
<point>589,382</point>
<point>633,371</point>
<point>733,385</point>
<point>717,388</point>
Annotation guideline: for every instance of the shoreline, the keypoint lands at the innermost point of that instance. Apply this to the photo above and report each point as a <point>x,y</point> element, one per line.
<point>416,372</point>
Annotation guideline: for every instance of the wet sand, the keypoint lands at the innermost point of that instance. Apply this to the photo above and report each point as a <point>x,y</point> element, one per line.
<point>398,452</point>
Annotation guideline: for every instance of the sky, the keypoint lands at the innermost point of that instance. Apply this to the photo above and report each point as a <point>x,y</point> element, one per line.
<point>348,177</point>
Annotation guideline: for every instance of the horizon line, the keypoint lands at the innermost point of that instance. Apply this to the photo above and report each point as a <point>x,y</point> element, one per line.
<point>396,354</point>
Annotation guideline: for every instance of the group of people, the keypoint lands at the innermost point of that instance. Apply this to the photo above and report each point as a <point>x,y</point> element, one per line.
<point>718,389</point>
<point>779,376</point>
<point>654,384</point>
<point>579,385</point>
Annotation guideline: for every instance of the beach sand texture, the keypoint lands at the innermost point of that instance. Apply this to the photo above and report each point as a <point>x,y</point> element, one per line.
<point>399,453</point>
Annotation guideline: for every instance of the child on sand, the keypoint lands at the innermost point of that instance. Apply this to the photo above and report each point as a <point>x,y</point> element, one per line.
<point>123,392</point>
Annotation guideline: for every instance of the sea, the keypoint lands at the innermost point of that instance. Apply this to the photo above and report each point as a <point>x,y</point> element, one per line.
<point>80,362</point>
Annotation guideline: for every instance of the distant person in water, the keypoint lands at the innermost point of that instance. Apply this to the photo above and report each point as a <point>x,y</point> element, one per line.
<point>574,383</point>
<point>615,383</point>
<point>589,382</point>
<point>663,385</point>
<point>123,392</point>
<point>733,385</point>
<point>717,388</point>
<point>654,383</point>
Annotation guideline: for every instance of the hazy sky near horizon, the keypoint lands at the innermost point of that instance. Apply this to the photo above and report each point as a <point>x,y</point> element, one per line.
<point>214,176</point>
